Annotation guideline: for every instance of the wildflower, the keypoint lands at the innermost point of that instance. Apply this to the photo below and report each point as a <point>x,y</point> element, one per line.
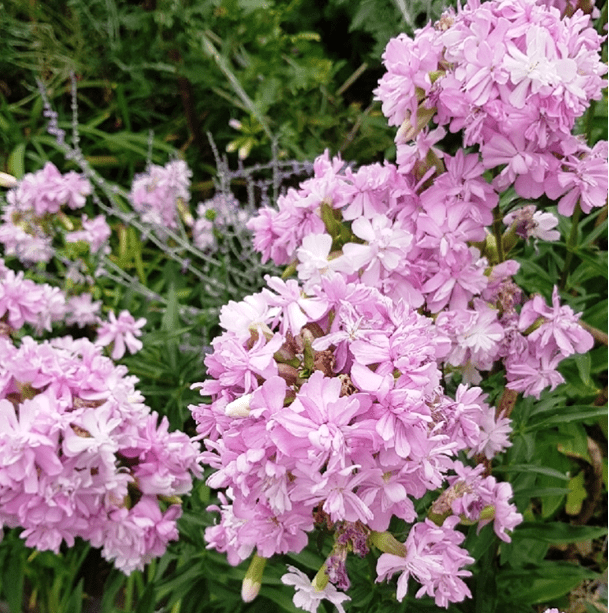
<point>434,559</point>
<point>122,333</point>
<point>308,596</point>
<point>82,311</point>
<point>95,232</point>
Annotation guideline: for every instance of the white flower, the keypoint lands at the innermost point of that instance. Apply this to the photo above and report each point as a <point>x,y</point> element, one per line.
<point>307,596</point>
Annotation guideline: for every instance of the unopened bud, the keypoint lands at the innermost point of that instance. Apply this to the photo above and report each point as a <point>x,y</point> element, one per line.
<point>321,579</point>
<point>387,543</point>
<point>487,513</point>
<point>7,180</point>
<point>184,212</point>
<point>253,579</point>
<point>407,131</point>
<point>288,373</point>
<point>239,407</point>
<point>255,330</point>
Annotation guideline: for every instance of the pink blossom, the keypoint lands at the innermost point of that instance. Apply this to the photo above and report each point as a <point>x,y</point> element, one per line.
<point>95,232</point>
<point>122,333</point>
<point>82,311</point>
<point>434,559</point>
<point>529,222</point>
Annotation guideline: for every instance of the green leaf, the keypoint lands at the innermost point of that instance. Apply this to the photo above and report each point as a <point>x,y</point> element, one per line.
<point>146,601</point>
<point>74,604</point>
<point>281,598</point>
<point>577,494</point>
<point>568,414</point>
<point>557,533</point>
<point>171,318</point>
<point>597,262</point>
<point>12,582</point>
<point>597,315</point>
<point>541,583</point>
<point>16,161</point>
<point>529,468</point>
<point>536,492</point>
<point>584,363</point>
<point>113,584</point>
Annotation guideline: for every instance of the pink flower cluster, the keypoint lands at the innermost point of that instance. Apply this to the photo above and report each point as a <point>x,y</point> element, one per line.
<point>383,228</point>
<point>328,399</point>
<point>328,408</point>
<point>122,333</point>
<point>161,193</point>
<point>83,456</point>
<point>23,301</point>
<point>513,76</point>
<point>35,215</point>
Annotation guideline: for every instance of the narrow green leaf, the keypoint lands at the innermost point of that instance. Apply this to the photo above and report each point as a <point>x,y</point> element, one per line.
<point>16,161</point>
<point>535,492</point>
<point>527,468</point>
<point>579,413</point>
<point>541,583</point>
<point>12,583</point>
<point>557,533</point>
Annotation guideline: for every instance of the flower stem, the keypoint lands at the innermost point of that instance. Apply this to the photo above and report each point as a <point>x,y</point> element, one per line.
<point>506,403</point>
<point>497,232</point>
<point>571,244</point>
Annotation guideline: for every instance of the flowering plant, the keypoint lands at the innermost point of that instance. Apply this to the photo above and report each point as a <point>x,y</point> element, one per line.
<point>343,397</point>
<point>81,454</point>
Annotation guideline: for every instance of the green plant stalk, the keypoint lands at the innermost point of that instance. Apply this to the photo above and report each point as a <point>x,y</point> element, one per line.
<point>497,233</point>
<point>129,592</point>
<point>571,244</point>
<point>222,64</point>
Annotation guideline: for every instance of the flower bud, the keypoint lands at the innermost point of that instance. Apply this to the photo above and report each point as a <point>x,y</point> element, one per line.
<point>321,579</point>
<point>289,374</point>
<point>253,579</point>
<point>387,543</point>
<point>7,180</point>
<point>239,407</point>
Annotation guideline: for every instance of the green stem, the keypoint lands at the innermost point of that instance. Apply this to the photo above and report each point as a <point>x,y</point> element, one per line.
<point>602,20</point>
<point>129,592</point>
<point>497,232</point>
<point>571,244</point>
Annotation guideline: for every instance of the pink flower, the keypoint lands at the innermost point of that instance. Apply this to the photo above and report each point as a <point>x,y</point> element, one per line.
<point>156,193</point>
<point>529,223</point>
<point>82,311</point>
<point>21,300</point>
<point>95,232</point>
<point>584,180</point>
<point>385,249</point>
<point>122,332</point>
<point>47,190</point>
<point>434,559</point>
